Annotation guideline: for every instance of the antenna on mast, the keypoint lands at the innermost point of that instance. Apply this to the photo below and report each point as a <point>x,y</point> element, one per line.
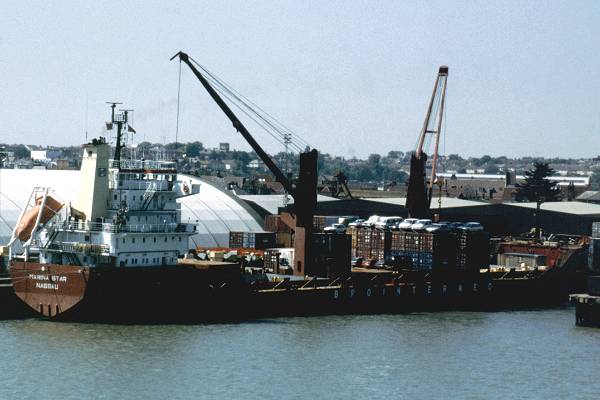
<point>120,119</point>
<point>86,117</point>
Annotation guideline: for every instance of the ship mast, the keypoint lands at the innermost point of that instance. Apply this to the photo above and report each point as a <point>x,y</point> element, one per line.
<point>120,119</point>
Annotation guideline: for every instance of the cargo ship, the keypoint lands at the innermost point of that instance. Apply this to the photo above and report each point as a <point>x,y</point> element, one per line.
<point>115,253</point>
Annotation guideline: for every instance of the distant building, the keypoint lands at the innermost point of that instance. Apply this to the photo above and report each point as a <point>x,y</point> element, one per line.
<point>223,146</point>
<point>255,164</point>
<point>229,164</point>
<point>45,156</point>
<point>590,196</point>
<point>24,164</point>
<point>502,187</point>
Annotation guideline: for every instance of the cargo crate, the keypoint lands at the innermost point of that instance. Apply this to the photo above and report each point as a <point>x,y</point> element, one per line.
<point>251,240</point>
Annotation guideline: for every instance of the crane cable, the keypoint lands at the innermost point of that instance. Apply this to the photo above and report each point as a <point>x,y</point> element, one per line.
<point>266,117</point>
<point>280,129</point>
<point>178,102</point>
<point>271,125</point>
<point>267,124</point>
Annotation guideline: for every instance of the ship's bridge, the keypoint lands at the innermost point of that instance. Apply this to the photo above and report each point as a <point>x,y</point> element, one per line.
<point>144,166</point>
<point>142,175</point>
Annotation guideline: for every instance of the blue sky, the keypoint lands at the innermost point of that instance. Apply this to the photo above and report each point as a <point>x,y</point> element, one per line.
<point>350,77</point>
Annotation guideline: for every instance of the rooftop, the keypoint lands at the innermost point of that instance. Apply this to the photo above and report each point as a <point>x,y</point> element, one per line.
<point>566,207</point>
<point>447,202</point>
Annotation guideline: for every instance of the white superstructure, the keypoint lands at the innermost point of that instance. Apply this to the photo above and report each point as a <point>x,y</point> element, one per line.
<point>126,215</point>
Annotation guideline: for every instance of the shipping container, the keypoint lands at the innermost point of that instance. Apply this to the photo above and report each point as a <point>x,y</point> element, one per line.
<point>251,240</point>
<point>380,244</point>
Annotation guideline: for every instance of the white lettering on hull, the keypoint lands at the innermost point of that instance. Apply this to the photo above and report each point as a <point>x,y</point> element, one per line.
<point>50,286</point>
<point>48,282</point>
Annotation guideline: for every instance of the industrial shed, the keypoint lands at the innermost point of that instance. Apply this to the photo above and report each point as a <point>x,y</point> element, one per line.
<point>214,211</point>
<point>273,203</point>
<point>571,217</point>
<point>555,217</point>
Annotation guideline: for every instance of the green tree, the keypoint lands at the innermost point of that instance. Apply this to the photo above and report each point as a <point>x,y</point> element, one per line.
<point>174,146</point>
<point>374,160</point>
<point>395,154</point>
<point>537,187</point>
<point>193,149</point>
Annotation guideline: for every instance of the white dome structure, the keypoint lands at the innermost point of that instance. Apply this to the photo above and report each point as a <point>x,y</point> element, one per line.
<point>214,211</point>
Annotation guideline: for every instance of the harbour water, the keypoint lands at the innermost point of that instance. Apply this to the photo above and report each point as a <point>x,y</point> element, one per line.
<point>502,355</point>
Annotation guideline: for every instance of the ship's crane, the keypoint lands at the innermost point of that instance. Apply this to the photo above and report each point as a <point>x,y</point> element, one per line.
<point>418,197</point>
<point>303,190</point>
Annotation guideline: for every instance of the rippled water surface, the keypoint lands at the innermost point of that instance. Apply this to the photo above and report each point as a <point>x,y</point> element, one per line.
<point>532,354</point>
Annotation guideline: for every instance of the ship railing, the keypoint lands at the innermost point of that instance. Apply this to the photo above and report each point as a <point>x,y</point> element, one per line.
<point>78,247</point>
<point>143,164</point>
<point>169,206</point>
<point>115,228</point>
<point>139,184</point>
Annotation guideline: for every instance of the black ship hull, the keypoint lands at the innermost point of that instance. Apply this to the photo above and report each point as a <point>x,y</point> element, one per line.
<point>190,295</point>
<point>174,294</point>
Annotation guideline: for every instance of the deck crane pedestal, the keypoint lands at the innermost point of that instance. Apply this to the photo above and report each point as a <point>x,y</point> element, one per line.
<point>303,191</point>
<point>418,197</point>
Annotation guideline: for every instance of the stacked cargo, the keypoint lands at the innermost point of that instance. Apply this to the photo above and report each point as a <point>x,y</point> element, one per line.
<point>404,249</point>
<point>473,250</point>
<point>370,244</point>
<point>463,250</point>
<point>251,240</point>
<point>380,244</point>
<point>271,260</point>
<point>363,243</point>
